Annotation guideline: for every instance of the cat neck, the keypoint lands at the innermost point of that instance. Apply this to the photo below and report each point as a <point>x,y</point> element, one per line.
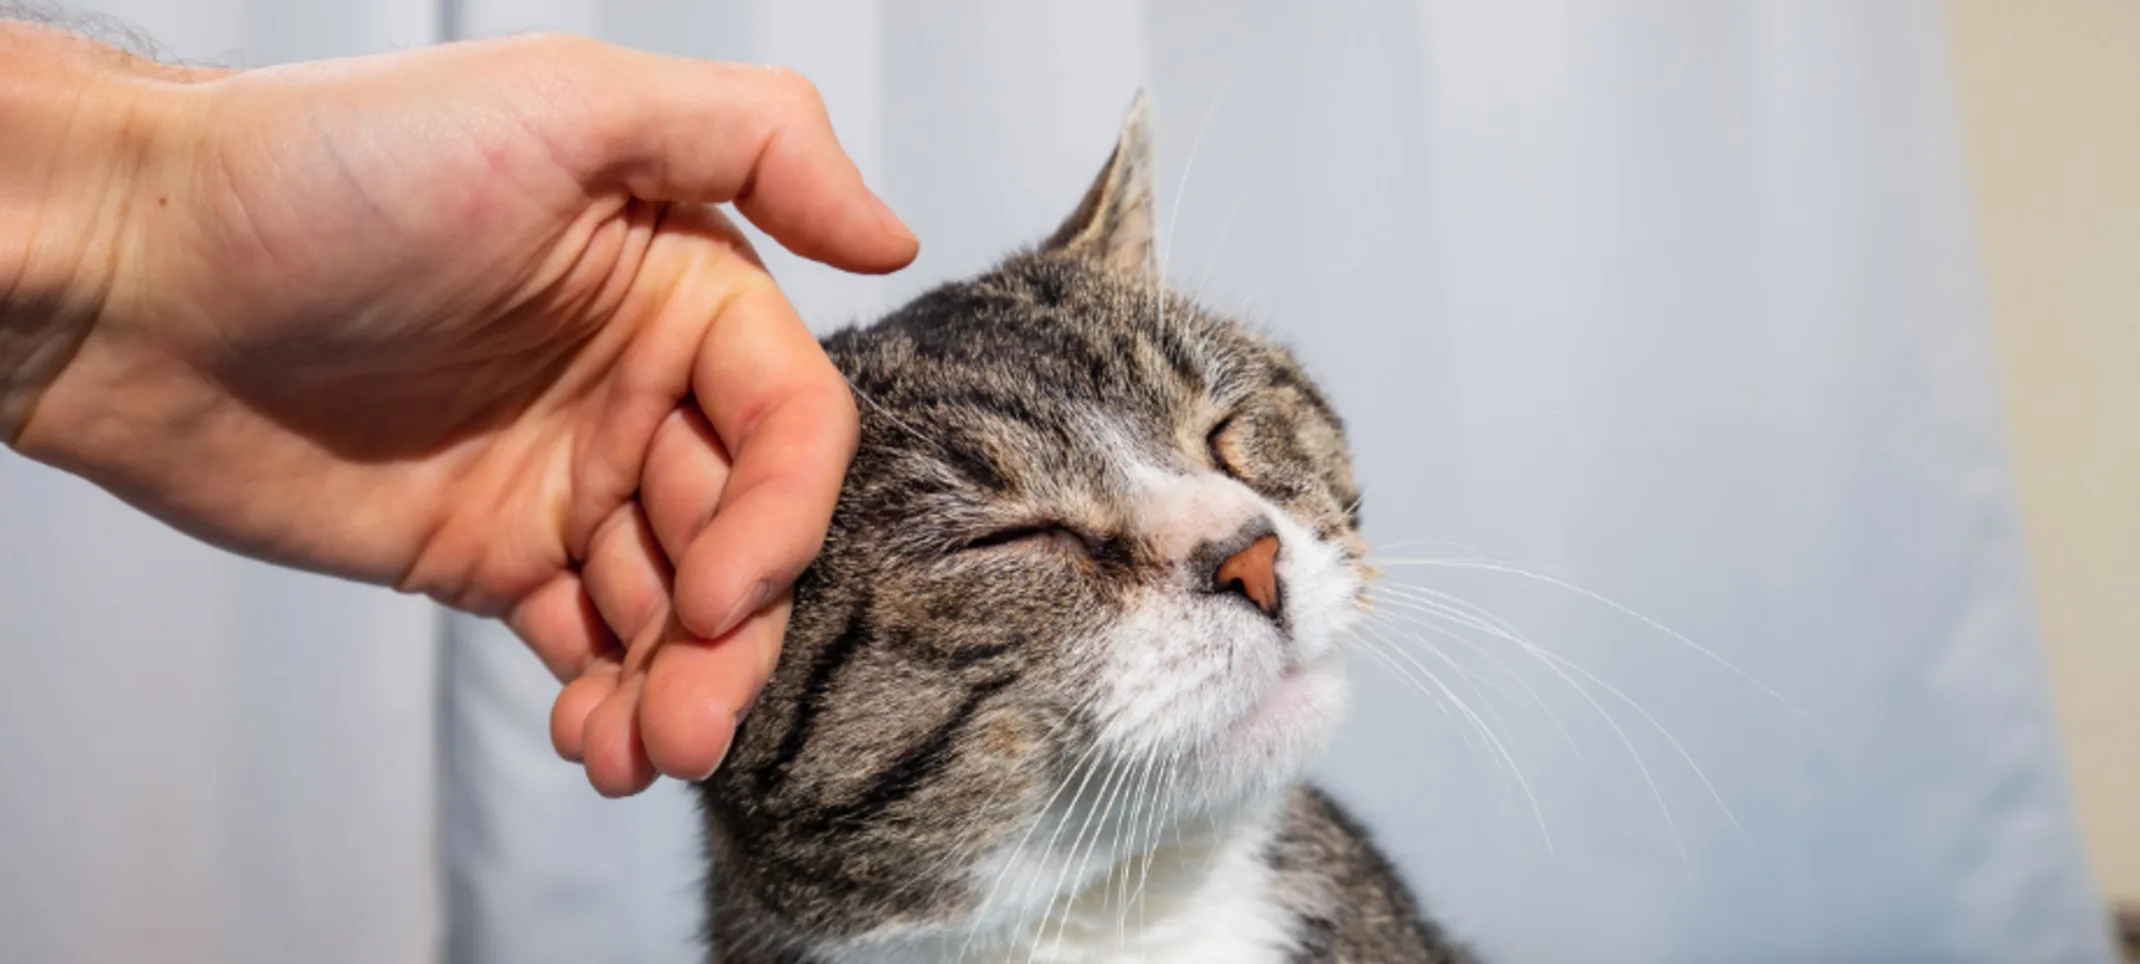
<point>1205,893</point>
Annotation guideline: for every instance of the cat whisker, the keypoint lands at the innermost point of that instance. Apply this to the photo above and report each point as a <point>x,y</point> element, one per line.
<point>1507,632</point>
<point>1465,547</point>
<point>1459,612</point>
<point>1141,803</point>
<point>1654,723</point>
<point>1019,848</point>
<point>887,413</point>
<point>1462,673</point>
<point>1170,778</point>
<point>1120,864</point>
<point>1560,667</point>
<point>1419,622</point>
<point>1079,881</point>
<point>1412,669</point>
<point>1056,892</point>
<point>1383,651</point>
<point>1479,683</point>
<point>1368,646</point>
<point>1484,731</point>
<point>1107,833</point>
<point>1061,890</point>
<point>1225,230</point>
<point>965,854</point>
<point>1181,187</point>
<point>1488,565</point>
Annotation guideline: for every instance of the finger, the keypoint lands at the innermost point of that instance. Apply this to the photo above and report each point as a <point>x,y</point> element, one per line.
<point>615,757</point>
<point>788,419</point>
<point>696,692</point>
<point>686,469</point>
<point>653,376</point>
<point>609,743</point>
<point>568,716</point>
<point>560,623</point>
<point>626,574</point>
<point>680,129</point>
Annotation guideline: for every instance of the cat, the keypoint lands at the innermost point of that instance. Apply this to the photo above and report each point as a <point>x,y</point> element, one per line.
<point>1053,686</point>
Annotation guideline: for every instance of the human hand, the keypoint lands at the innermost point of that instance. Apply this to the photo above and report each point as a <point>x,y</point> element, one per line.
<point>458,320</point>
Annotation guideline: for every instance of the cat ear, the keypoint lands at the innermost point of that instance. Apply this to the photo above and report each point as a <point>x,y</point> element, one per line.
<point>1113,224</point>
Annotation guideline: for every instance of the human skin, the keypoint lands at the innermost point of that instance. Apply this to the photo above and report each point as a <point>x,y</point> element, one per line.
<point>462,321</point>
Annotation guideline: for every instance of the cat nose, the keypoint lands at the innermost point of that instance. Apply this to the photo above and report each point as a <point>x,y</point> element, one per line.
<point>1251,569</point>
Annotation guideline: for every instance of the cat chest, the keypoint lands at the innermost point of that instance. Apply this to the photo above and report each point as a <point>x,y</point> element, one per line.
<point>1234,917</point>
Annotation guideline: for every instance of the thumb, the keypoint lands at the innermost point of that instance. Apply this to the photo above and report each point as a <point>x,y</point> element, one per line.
<point>680,129</point>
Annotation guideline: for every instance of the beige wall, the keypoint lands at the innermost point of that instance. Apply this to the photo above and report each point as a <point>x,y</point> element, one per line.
<point>2051,100</point>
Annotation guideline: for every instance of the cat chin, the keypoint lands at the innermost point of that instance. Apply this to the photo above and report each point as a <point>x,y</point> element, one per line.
<point>1272,747</point>
<point>1308,701</point>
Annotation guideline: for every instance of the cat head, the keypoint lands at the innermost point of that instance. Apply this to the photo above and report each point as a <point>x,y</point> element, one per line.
<point>1082,594</point>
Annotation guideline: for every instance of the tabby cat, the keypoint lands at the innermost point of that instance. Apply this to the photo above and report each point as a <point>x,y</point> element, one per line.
<point>1053,687</point>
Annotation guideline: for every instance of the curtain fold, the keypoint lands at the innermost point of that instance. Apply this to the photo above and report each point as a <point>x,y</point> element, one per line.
<point>211,759</point>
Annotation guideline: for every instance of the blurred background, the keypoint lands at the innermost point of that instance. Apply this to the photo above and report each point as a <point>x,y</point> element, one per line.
<point>1809,330</point>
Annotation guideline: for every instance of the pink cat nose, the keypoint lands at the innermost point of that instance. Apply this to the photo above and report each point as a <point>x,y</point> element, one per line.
<point>1252,572</point>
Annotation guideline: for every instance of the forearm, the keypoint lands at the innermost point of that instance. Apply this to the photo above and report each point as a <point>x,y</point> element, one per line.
<point>83,127</point>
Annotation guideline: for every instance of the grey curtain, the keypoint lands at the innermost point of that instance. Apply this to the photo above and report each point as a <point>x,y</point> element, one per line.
<point>1676,304</point>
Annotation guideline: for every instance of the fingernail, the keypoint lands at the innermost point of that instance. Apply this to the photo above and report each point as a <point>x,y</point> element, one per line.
<point>751,602</point>
<point>717,761</point>
<point>723,758</point>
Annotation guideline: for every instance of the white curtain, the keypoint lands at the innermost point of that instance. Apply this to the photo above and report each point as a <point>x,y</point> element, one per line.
<point>1674,302</point>
<point>208,759</point>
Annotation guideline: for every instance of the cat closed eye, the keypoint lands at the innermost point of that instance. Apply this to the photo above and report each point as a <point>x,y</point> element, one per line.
<point>1215,447</point>
<point>1037,535</point>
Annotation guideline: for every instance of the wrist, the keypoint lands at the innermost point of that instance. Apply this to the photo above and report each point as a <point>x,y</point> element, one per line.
<point>90,132</point>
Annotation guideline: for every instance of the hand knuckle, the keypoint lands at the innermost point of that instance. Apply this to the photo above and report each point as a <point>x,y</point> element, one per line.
<point>797,90</point>
<point>558,42</point>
